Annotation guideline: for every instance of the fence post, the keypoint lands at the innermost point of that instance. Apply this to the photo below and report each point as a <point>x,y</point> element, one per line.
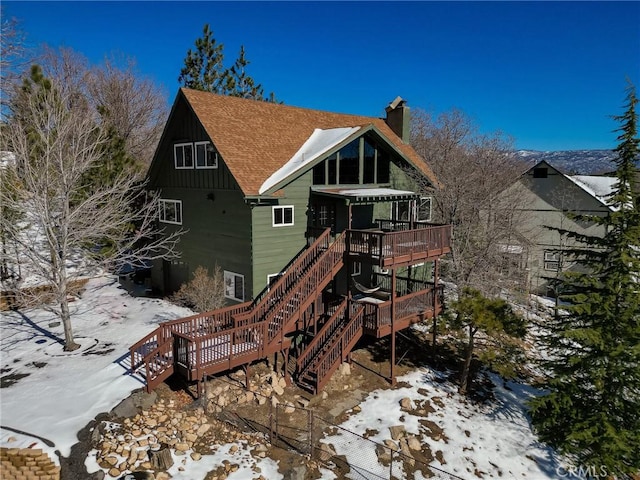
<point>310,428</point>
<point>271,425</point>
<point>391,463</point>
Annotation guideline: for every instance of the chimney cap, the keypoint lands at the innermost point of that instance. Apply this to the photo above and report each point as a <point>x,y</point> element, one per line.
<point>398,102</point>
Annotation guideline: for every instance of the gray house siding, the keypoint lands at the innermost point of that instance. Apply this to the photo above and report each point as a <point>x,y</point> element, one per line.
<point>548,204</point>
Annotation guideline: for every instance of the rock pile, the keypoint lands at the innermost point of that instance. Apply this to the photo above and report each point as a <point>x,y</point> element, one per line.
<point>145,441</point>
<point>408,446</point>
<point>261,387</point>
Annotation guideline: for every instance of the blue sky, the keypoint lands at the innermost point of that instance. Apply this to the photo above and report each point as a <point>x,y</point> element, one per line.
<point>549,74</point>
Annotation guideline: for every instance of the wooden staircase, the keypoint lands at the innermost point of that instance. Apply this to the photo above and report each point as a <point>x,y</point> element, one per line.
<point>216,341</point>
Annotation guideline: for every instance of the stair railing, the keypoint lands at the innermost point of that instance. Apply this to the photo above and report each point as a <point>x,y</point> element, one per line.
<point>320,339</point>
<point>309,285</point>
<point>341,346</point>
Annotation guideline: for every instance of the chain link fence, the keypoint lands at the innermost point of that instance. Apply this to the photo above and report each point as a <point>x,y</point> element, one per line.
<point>302,430</point>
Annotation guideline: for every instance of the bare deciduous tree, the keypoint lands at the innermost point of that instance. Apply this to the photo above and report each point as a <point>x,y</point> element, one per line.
<point>12,56</point>
<point>204,292</point>
<point>71,226</point>
<point>473,170</point>
<point>133,106</point>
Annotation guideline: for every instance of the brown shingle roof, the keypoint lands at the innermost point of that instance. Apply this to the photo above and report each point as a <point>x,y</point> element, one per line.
<point>257,138</point>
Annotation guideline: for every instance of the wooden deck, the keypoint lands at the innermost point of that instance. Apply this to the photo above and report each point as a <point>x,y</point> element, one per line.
<point>218,341</point>
<point>398,248</point>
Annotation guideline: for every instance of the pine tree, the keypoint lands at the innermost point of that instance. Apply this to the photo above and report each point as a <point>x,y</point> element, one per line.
<point>239,84</point>
<point>204,68</point>
<point>592,409</point>
<point>492,316</point>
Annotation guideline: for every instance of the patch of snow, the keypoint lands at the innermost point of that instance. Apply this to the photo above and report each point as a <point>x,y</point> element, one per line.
<point>317,144</point>
<point>63,391</point>
<point>598,187</point>
<point>494,438</point>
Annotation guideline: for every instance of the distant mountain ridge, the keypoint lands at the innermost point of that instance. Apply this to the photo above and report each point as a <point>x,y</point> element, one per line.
<point>576,162</point>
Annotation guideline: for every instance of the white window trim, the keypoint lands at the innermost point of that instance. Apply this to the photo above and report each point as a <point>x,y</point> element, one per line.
<point>234,274</point>
<point>175,156</point>
<point>215,156</point>
<point>356,269</point>
<point>161,213</point>
<point>552,260</point>
<point>273,275</point>
<point>282,207</point>
<point>417,208</point>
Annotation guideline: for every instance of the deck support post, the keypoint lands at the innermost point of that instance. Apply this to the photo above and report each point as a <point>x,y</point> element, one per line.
<point>393,330</point>
<point>246,376</point>
<point>287,377</point>
<point>436,301</point>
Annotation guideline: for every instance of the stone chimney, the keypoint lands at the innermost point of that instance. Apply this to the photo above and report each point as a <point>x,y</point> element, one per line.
<point>398,118</point>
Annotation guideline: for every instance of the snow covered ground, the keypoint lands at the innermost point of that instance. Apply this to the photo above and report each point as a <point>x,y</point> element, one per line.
<point>56,394</point>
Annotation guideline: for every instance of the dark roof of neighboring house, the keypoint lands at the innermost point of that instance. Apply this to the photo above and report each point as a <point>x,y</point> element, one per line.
<point>257,138</point>
<point>599,187</point>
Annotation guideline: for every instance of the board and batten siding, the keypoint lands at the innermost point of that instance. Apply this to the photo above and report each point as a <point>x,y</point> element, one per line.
<point>215,217</point>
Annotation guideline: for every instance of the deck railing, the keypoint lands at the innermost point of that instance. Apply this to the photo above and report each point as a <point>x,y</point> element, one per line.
<point>202,322</point>
<point>199,352</point>
<point>425,242</point>
<point>404,285</point>
<point>379,315</point>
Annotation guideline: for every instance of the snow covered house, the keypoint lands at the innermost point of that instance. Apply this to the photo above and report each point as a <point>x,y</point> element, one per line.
<point>315,220</point>
<point>549,198</point>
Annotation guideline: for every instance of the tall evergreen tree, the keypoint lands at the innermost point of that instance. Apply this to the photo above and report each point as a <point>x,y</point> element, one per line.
<point>592,408</point>
<point>239,84</point>
<point>204,70</point>
<point>204,67</point>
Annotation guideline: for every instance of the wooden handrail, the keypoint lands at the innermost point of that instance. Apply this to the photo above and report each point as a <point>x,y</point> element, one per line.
<point>322,336</point>
<point>340,348</point>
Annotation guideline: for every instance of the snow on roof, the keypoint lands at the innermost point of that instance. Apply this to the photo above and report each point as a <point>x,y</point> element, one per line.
<point>597,186</point>
<point>318,143</point>
<point>367,192</point>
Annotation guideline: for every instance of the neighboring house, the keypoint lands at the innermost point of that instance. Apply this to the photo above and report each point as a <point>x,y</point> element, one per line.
<point>246,180</point>
<point>315,220</point>
<point>549,198</point>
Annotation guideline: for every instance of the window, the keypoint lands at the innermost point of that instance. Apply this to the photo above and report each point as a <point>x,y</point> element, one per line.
<point>206,156</point>
<point>273,278</point>
<point>282,216</point>
<point>540,172</point>
<point>362,161</point>
<point>183,155</point>
<point>171,211</point>
<point>349,169</point>
<point>400,210</point>
<point>356,269</point>
<point>424,209</point>
<point>552,260</point>
<point>234,286</point>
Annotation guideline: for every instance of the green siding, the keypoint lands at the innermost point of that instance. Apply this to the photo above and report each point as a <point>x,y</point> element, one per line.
<point>274,247</point>
<point>216,220</point>
<point>224,228</point>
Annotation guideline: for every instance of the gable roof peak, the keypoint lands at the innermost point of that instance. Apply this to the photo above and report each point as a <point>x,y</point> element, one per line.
<point>256,139</point>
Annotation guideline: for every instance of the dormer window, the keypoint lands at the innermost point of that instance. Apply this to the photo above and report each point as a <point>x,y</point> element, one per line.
<point>183,155</point>
<point>206,156</point>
